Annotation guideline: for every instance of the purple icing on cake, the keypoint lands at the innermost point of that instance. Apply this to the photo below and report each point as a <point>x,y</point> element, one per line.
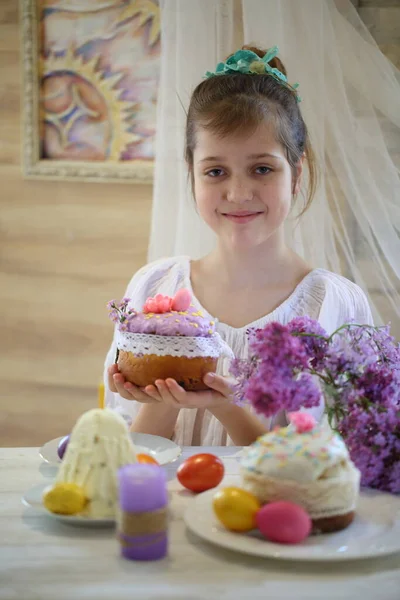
<point>162,315</point>
<point>191,323</point>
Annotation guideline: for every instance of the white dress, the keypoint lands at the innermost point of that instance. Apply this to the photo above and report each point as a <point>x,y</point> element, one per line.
<point>329,298</point>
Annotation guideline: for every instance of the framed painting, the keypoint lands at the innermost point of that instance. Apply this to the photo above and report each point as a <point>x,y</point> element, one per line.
<point>90,80</point>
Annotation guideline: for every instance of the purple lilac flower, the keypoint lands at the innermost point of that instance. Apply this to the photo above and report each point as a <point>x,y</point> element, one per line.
<point>120,313</point>
<point>348,354</point>
<point>316,340</point>
<point>356,347</point>
<point>387,348</point>
<point>270,394</point>
<point>373,448</point>
<point>380,383</point>
<point>242,370</point>
<point>274,381</point>
<point>371,426</point>
<point>277,346</point>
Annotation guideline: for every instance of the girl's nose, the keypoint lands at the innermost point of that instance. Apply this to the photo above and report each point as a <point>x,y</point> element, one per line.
<point>238,192</point>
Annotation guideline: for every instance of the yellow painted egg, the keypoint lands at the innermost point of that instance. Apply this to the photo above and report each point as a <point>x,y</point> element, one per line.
<point>236,509</point>
<point>65,499</point>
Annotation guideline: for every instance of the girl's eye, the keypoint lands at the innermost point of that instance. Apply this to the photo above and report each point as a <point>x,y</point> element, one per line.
<point>262,170</point>
<point>214,172</point>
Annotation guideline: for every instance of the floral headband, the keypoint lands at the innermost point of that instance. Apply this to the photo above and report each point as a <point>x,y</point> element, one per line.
<point>247,61</point>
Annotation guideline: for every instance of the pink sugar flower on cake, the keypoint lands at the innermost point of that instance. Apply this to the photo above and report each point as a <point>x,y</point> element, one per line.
<point>302,421</point>
<point>162,304</point>
<point>159,304</point>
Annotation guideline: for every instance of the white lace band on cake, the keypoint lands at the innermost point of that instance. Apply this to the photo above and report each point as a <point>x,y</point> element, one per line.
<point>163,345</point>
<point>323,498</point>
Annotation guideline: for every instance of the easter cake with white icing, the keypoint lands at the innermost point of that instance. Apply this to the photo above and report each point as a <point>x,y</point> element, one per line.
<point>308,464</point>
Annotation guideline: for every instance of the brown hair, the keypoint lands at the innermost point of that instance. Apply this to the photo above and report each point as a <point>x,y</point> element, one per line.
<point>239,103</point>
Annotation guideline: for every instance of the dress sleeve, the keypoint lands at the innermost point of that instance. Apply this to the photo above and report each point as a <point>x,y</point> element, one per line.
<point>343,302</point>
<point>362,309</point>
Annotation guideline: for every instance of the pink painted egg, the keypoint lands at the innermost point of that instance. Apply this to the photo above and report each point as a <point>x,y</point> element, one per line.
<point>284,522</point>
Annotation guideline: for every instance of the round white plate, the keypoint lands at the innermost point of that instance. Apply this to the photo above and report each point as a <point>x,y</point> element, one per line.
<point>163,450</point>
<point>374,532</point>
<point>34,499</point>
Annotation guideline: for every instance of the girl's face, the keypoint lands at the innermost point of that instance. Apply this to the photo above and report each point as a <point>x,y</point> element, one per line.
<point>243,185</point>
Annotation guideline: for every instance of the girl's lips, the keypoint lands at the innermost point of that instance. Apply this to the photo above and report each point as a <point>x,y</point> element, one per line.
<point>244,217</point>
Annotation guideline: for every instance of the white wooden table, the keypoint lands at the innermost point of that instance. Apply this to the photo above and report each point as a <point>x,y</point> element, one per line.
<point>42,559</point>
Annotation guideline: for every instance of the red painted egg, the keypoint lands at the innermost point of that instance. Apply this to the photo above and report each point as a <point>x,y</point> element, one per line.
<point>201,472</point>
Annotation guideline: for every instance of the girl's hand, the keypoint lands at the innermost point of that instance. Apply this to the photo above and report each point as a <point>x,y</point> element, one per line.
<point>118,384</point>
<point>171,393</point>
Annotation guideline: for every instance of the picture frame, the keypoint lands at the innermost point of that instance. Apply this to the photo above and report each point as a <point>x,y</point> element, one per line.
<point>89,90</point>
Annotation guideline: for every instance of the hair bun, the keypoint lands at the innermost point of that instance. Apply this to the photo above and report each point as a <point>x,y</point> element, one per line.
<point>275,63</point>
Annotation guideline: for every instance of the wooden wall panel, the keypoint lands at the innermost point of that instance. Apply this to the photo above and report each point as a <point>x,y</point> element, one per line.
<point>65,249</point>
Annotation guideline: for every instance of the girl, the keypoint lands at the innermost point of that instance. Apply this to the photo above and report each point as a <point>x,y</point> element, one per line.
<point>246,146</point>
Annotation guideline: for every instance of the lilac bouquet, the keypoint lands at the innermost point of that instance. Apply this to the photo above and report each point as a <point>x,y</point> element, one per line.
<point>357,371</point>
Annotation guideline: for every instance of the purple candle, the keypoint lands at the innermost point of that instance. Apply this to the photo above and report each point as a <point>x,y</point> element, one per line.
<point>142,522</point>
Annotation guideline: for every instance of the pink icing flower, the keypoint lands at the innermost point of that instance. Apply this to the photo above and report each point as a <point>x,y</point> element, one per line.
<point>162,304</point>
<point>150,306</point>
<point>181,300</point>
<point>159,304</point>
<point>302,421</point>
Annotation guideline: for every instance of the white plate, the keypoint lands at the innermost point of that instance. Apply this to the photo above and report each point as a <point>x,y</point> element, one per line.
<point>374,532</point>
<point>163,450</point>
<point>34,499</point>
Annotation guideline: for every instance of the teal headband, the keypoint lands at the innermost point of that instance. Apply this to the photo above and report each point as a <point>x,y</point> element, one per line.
<point>248,62</point>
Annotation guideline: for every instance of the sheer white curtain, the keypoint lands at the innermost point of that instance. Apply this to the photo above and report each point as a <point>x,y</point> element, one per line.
<point>195,34</point>
<point>351,104</point>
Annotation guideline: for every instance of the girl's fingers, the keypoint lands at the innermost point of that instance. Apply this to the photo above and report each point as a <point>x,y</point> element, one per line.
<point>193,399</point>
<point>165,394</point>
<point>129,391</point>
<point>223,385</point>
<point>140,395</point>
<point>119,383</point>
<point>149,395</point>
<point>113,370</point>
<point>176,391</point>
<point>152,391</point>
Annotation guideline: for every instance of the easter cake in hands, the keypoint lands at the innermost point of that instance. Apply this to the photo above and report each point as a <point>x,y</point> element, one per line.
<point>169,338</point>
